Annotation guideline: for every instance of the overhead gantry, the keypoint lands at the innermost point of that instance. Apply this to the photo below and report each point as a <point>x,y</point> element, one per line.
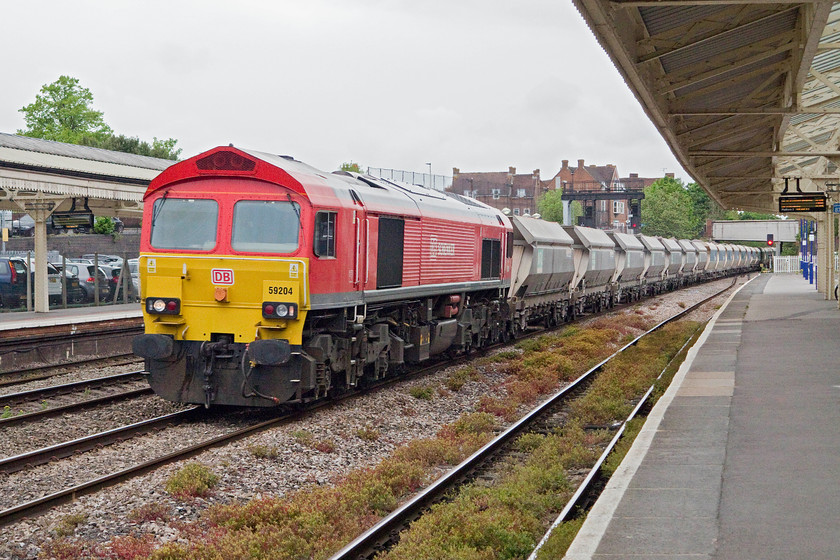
<point>745,93</point>
<point>40,177</point>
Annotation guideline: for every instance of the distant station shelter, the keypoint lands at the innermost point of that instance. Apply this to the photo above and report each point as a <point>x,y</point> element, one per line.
<point>71,183</point>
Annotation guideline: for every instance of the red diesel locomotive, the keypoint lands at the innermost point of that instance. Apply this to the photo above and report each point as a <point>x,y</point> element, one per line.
<point>265,281</point>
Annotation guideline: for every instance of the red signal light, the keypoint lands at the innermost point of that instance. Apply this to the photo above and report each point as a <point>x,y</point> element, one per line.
<point>770,240</point>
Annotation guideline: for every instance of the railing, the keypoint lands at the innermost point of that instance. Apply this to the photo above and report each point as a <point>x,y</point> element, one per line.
<point>786,265</point>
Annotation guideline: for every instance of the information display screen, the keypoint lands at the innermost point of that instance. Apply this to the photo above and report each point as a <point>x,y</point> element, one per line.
<point>790,203</point>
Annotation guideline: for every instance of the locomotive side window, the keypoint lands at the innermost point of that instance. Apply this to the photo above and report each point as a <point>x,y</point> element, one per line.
<point>184,223</point>
<point>324,234</point>
<point>265,226</point>
<point>491,258</point>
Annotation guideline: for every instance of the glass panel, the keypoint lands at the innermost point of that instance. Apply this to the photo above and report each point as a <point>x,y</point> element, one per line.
<point>265,226</point>
<point>184,223</point>
<point>325,234</point>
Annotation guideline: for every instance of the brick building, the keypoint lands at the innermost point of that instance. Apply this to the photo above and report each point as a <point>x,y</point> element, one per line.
<point>518,192</point>
<point>588,184</point>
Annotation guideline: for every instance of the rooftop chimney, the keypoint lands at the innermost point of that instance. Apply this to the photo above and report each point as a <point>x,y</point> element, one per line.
<point>512,170</point>
<point>580,164</point>
<point>634,175</point>
<point>669,175</point>
<point>455,171</point>
<point>565,164</point>
<point>536,174</point>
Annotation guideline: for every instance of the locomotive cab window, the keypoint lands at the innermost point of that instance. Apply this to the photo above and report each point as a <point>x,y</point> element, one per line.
<point>324,234</point>
<point>265,226</point>
<point>184,223</point>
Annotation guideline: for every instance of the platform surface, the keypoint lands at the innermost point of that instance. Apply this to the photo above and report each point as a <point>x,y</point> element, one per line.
<point>92,314</point>
<point>740,459</point>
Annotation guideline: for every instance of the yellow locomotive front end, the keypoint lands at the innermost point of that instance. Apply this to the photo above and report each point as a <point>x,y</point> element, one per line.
<point>223,330</point>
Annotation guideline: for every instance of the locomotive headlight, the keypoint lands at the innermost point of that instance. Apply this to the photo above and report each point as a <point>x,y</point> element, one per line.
<point>165,306</point>
<point>279,310</point>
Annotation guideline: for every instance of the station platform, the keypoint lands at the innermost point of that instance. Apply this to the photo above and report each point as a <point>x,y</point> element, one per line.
<point>76,315</point>
<point>740,459</point>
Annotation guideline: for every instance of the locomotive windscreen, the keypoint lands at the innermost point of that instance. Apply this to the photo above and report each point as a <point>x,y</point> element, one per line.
<point>184,223</point>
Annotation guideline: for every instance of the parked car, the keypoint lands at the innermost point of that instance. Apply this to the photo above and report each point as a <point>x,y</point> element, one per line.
<point>107,260</point>
<point>12,282</point>
<point>85,274</point>
<point>134,268</point>
<point>133,292</point>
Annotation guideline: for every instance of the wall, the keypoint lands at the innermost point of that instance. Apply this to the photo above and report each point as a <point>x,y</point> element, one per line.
<point>74,245</point>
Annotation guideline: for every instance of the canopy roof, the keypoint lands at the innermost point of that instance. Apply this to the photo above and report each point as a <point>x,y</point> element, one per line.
<point>745,93</point>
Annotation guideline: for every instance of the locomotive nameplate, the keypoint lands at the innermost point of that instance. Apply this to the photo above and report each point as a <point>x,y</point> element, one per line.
<point>281,291</point>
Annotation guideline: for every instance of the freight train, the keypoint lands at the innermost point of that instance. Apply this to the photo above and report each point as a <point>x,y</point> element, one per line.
<point>267,282</point>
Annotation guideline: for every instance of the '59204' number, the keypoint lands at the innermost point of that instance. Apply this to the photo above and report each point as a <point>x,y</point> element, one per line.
<point>280,291</point>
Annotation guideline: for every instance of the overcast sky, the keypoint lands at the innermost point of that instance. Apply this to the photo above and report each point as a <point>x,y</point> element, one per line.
<point>476,84</point>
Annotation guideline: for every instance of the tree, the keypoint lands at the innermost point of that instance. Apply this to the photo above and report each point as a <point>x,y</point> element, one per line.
<point>550,207</point>
<point>104,225</point>
<point>63,112</point>
<point>164,149</point>
<point>668,211</point>
<point>351,167</point>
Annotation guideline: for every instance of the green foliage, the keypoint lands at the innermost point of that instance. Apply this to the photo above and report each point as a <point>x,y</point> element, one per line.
<point>261,451</point>
<point>351,166</point>
<point>422,392</point>
<point>561,538</point>
<point>368,433</point>
<point>104,225</point>
<point>63,112</point>
<point>164,149</point>
<point>67,524</point>
<point>667,210</point>
<point>550,206</point>
<point>192,480</point>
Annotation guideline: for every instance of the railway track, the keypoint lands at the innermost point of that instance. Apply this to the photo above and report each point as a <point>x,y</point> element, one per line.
<point>41,456</point>
<point>35,404</point>
<point>386,533</point>
<point>37,373</point>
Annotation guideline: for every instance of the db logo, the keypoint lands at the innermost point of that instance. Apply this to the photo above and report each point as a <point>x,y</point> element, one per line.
<point>222,276</point>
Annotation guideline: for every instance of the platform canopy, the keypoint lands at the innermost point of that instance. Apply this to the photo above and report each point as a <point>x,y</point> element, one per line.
<point>40,177</point>
<point>36,174</point>
<point>745,93</point>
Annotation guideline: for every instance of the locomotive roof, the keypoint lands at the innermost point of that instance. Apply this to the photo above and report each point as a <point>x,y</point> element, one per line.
<point>377,195</point>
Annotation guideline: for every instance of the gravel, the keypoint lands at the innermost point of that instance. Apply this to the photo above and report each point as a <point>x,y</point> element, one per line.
<point>292,463</point>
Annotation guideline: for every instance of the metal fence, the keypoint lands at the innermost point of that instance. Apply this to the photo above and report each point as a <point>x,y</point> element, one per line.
<point>437,182</point>
<point>786,265</point>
